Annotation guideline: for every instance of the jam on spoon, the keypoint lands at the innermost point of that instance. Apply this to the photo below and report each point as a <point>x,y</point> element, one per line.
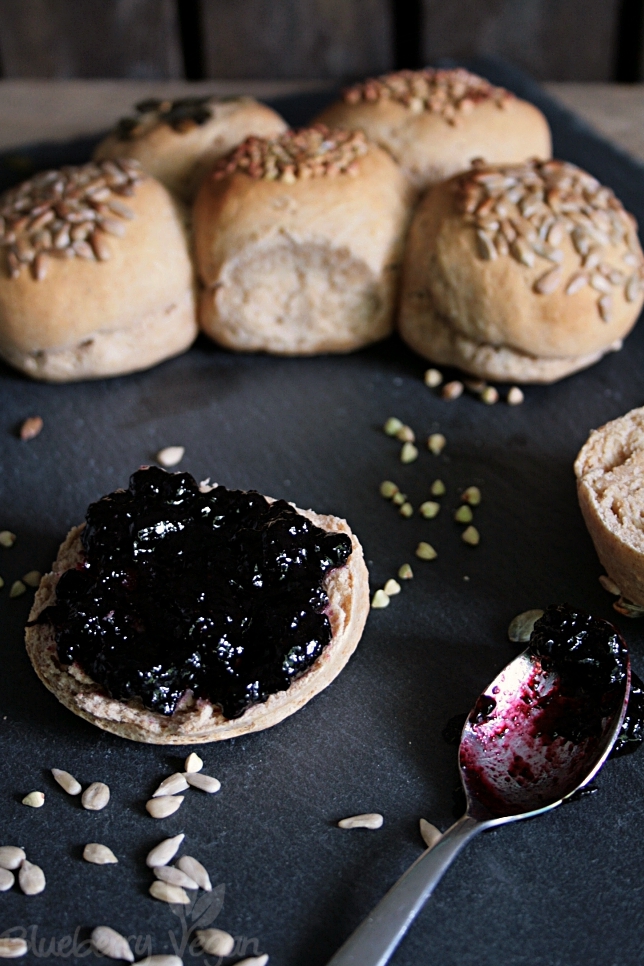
<point>540,732</point>
<point>187,590</point>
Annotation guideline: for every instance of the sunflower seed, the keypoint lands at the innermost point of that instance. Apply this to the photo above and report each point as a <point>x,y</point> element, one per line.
<point>34,799</point>
<point>372,820</point>
<point>7,879</point>
<point>101,247</point>
<point>633,288</point>
<point>522,625</point>
<point>429,833</point>
<point>515,396</point>
<point>609,584</point>
<point>600,284</point>
<point>204,782</point>
<point>549,282</point>
<point>164,852</point>
<point>215,942</point>
<point>485,246</point>
<point>31,878</point>
<point>196,871</point>
<point>605,306</point>
<point>522,252</point>
<point>173,876</point>
<point>253,961</point>
<point>627,608</point>
<point>12,948</point>
<point>452,390</point>
<point>66,781</point>
<point>170,786</point>
<point>30,428</point>
<point>111,943</point>
<point>11,857</point>
<point>165,892</point>
<point>164,806</point>
<point>95,797</point>
<point>98,854</point>
<point>576,283</point>
<point>161,959</point>
<point>379,600</point>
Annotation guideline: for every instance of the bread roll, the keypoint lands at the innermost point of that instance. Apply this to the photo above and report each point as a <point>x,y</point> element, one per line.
<point>299,242</point>
<point>436,122</point>
<point>178,141</point>
<point>610,474</point>
<point>95,275</point>
<point>520,272</point>
<point>347,588</point>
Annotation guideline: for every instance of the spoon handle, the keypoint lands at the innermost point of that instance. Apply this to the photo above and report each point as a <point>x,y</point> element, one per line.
<point>375,940</point>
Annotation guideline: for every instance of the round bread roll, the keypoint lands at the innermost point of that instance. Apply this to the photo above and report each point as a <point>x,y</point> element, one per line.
<point>520,272</point>
<point>178,141</point>
<point>610,474</point>
<point>95,275</point>
<point>434,123</point>
<point>299,242</point>
<point>200,721</point>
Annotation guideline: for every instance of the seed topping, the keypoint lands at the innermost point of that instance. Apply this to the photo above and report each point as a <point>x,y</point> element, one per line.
<point>182,115</point>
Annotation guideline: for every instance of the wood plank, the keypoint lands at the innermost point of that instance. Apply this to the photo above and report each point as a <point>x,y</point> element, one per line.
<point>296,38</point>
<point>90,38</point>
<point>551,39</point>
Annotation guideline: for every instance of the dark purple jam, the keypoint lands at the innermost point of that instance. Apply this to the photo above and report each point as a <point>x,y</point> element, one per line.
<point>220,594</point>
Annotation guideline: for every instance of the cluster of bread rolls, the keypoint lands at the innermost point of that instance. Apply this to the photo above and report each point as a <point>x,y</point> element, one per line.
<point>514,267</point>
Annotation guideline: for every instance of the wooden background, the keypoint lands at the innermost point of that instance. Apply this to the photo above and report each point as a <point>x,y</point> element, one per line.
<point>266,39</point>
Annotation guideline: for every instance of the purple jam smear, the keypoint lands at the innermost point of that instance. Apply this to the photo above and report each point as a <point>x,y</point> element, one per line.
<point>218,594</point>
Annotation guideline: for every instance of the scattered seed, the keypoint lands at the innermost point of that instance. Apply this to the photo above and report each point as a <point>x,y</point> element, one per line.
<point>429,509</point>
<point>95,797</point>
<point>253,961</point>
<point>471,495</point>
<point>452,390</point>
<point>399,498</point>
<point>392,426</point>
<point>111,943</point>
<point>215,942</point>
<point>171,786</point>
<point>170,456</point>
<point>388,489</point>
<point>371,820</point>
<point>406,510</point>
<point>193,763</point>
<point>30,428</point>
<point>32,578</point>
<point>433,378</point>
<point>206,783</point>
<point>161,959</point>
<point>175,877</point>
<point>7,879</point>
<point>11,857</point>
<point>164,806</point>
<point>406,435</point>
<point>34,800</point>
<point>17,589</point>
<point>7,538</point>
<point>392,587</point>
<point>515,396</point>
<point>164,852</point>
<point>464,514</point>
<point>98,854</point>
<point>66,781</point>
<point>405,572</point>
<point>196,871</point>
<point>380,599</point>
<point>522,625</point>
<point>408,453</point>
<point>429,833</point>
<point>436,443</point>
<point>165,892</point>
<point>31,878</point>
<point>438,488</point>
<point>471,536</point>
<point>609,585</point>
<point>11,948</point>
<point>425,551</point>
<point>490,395</point>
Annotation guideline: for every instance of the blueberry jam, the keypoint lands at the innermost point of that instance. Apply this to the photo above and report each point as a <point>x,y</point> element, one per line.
<point>218,594</point>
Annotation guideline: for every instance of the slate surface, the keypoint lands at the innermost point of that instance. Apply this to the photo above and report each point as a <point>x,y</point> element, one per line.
<point>563,889</point>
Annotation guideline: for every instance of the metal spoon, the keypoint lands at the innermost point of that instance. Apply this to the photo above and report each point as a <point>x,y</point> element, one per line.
<point>528,745</point>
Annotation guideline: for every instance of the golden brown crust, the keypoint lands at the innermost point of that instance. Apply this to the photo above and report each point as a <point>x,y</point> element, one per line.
<point>90,318</point>
<point>609,471</point>
<point>348,591</point>
<point>304,267</point>
<point>179,157</point>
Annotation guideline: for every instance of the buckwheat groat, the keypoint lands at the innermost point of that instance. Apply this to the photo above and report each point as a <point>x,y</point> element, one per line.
<point>520,272</point>
<point>609,471</point>
<point>435,122</point>
<point>95,275</point>
<point>178,141</point>
<point>299,243</point>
